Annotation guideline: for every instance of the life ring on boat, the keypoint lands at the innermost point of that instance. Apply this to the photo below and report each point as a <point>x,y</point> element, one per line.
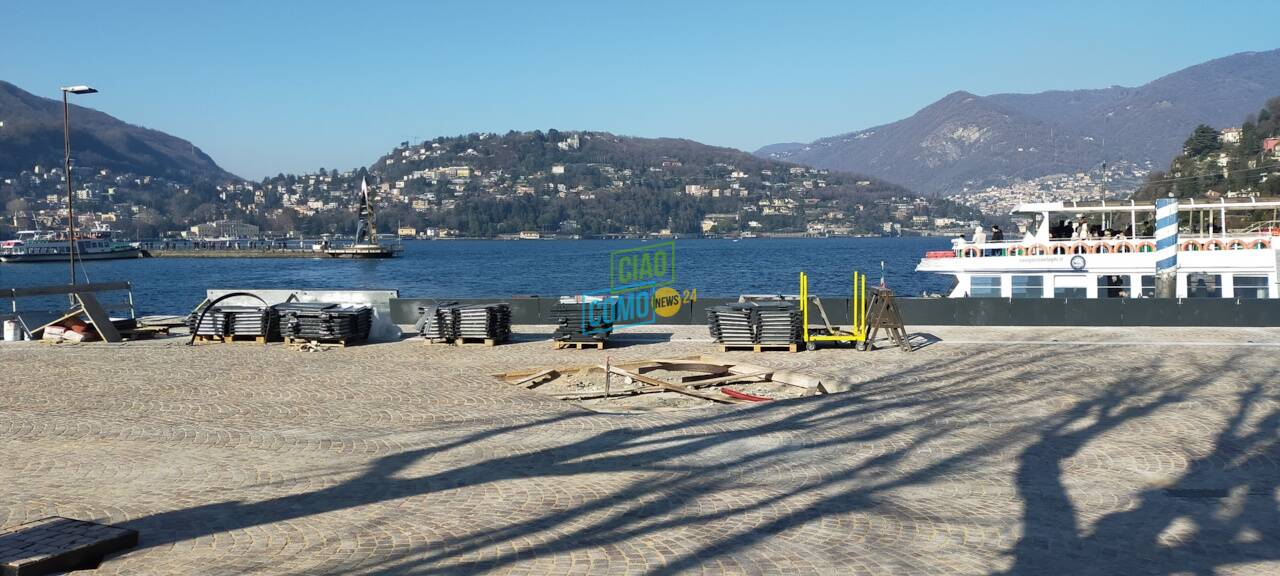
<point>1039,250</point>
<point>1123,248</point>
<point>1081,248</point>
<point>1058,249</point>
<point>1191,246</point>
<point>968,252</point>
<point>1260,245</point>
<point>1146,247</point>
<point>1103,249</point>
<point>1214,244</point>
<point>1017,251</point>
<point>1236,245</point>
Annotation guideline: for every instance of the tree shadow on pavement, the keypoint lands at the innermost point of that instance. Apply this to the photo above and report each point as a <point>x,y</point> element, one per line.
<point>859,447</point>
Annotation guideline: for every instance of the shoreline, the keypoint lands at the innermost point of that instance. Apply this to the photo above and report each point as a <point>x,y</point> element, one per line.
<point>199,253</point>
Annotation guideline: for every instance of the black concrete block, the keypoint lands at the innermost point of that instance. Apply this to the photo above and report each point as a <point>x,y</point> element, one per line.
<point>57,544</point>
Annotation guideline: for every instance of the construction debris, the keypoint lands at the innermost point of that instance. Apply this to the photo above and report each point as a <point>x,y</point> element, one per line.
<point>664,384</point>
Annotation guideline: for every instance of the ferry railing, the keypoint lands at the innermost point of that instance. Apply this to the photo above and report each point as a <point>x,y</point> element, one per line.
<point>1066,246</point>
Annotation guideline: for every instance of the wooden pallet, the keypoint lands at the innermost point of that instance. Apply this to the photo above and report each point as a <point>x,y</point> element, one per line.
<point>793,347</point>
<point>597,345</point>
<point>463,342</point>
<point>230,339</point>
<point>301,343</point>
<point>145,332</point>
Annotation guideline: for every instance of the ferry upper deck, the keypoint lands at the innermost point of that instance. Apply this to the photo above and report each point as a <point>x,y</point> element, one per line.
<point>1226,249</point>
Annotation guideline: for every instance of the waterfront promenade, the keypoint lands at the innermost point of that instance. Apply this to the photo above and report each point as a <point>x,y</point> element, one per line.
<point>989,450</point>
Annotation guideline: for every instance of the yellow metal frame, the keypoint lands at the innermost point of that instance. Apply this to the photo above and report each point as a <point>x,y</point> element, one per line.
<point>857,312</point>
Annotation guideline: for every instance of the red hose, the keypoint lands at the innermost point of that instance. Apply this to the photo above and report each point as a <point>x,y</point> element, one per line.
<point>744,396</point>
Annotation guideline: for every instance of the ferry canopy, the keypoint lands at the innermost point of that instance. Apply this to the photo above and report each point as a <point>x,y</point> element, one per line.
<point>1184,204</point>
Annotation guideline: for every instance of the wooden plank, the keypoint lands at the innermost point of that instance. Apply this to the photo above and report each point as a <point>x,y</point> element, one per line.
<point>598,345</point>
<point>688,366</point>
<point>64,289</point>
<point>101,321</point>
<point>36,332</point>
<point>759,347</point>
<point>533,378</point>
<point>673,387</point>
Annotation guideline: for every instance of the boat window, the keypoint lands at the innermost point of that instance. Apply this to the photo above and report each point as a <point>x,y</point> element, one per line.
<point>1065,292</point>
<point>1148,286</point>
<point>984,287</point>
<point>1071,285</point>
<point>1028,286</point>
<point>1200,285</point>
<point>1251,287</point>
<point>1114,286</point>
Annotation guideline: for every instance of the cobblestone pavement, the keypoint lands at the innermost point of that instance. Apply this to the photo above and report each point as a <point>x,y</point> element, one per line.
<point>1028,451</point>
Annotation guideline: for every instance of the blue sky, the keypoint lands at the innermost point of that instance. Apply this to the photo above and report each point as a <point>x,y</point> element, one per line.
<point>279,86</point>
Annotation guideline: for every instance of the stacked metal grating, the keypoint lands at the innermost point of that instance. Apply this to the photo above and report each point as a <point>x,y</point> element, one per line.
<point>435,323</point>
<point>731,324</point>
<point>324,322</point>
<point>770,322</point>
<point>486,321</point>
<point>223,321</point>
<point>778,322</point>
<point>257,321</point>
<point>570,316</point>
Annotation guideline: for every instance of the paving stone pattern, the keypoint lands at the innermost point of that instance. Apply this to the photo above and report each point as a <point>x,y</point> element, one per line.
<point>1019,451</point>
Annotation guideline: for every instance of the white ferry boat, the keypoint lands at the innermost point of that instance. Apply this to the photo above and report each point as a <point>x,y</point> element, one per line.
<point>33,246</point>
<point>1116,257</point>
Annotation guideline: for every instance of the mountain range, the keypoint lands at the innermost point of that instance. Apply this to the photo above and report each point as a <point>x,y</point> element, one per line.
<point>966,141</point>
<point>32,134</point>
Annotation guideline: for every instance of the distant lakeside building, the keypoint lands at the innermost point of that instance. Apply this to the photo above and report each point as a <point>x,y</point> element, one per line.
<point>223,229</point>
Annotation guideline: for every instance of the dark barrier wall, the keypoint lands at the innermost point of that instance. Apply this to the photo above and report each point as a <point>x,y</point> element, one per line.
<point>957,311</point>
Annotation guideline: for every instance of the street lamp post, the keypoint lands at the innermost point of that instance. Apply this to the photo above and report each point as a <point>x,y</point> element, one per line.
<point>66,141</point>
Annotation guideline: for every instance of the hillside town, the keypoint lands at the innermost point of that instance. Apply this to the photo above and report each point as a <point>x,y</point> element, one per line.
<point>1121,180</point>
<point>424,191</point>
<point>1110,182</point>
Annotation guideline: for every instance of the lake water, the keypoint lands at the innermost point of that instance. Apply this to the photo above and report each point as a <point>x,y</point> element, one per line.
<point>497,268</point>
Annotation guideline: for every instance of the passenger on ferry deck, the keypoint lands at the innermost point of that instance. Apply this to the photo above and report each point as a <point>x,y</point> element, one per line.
<point>1128,232</point>
<point>979,236</point>
<point>1082,228</point>
<point>1148,229</point>
<point>997,235</point>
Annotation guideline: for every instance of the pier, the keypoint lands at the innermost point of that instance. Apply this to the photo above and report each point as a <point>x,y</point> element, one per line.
<point>1026,450</point>
<point>235,253</point>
